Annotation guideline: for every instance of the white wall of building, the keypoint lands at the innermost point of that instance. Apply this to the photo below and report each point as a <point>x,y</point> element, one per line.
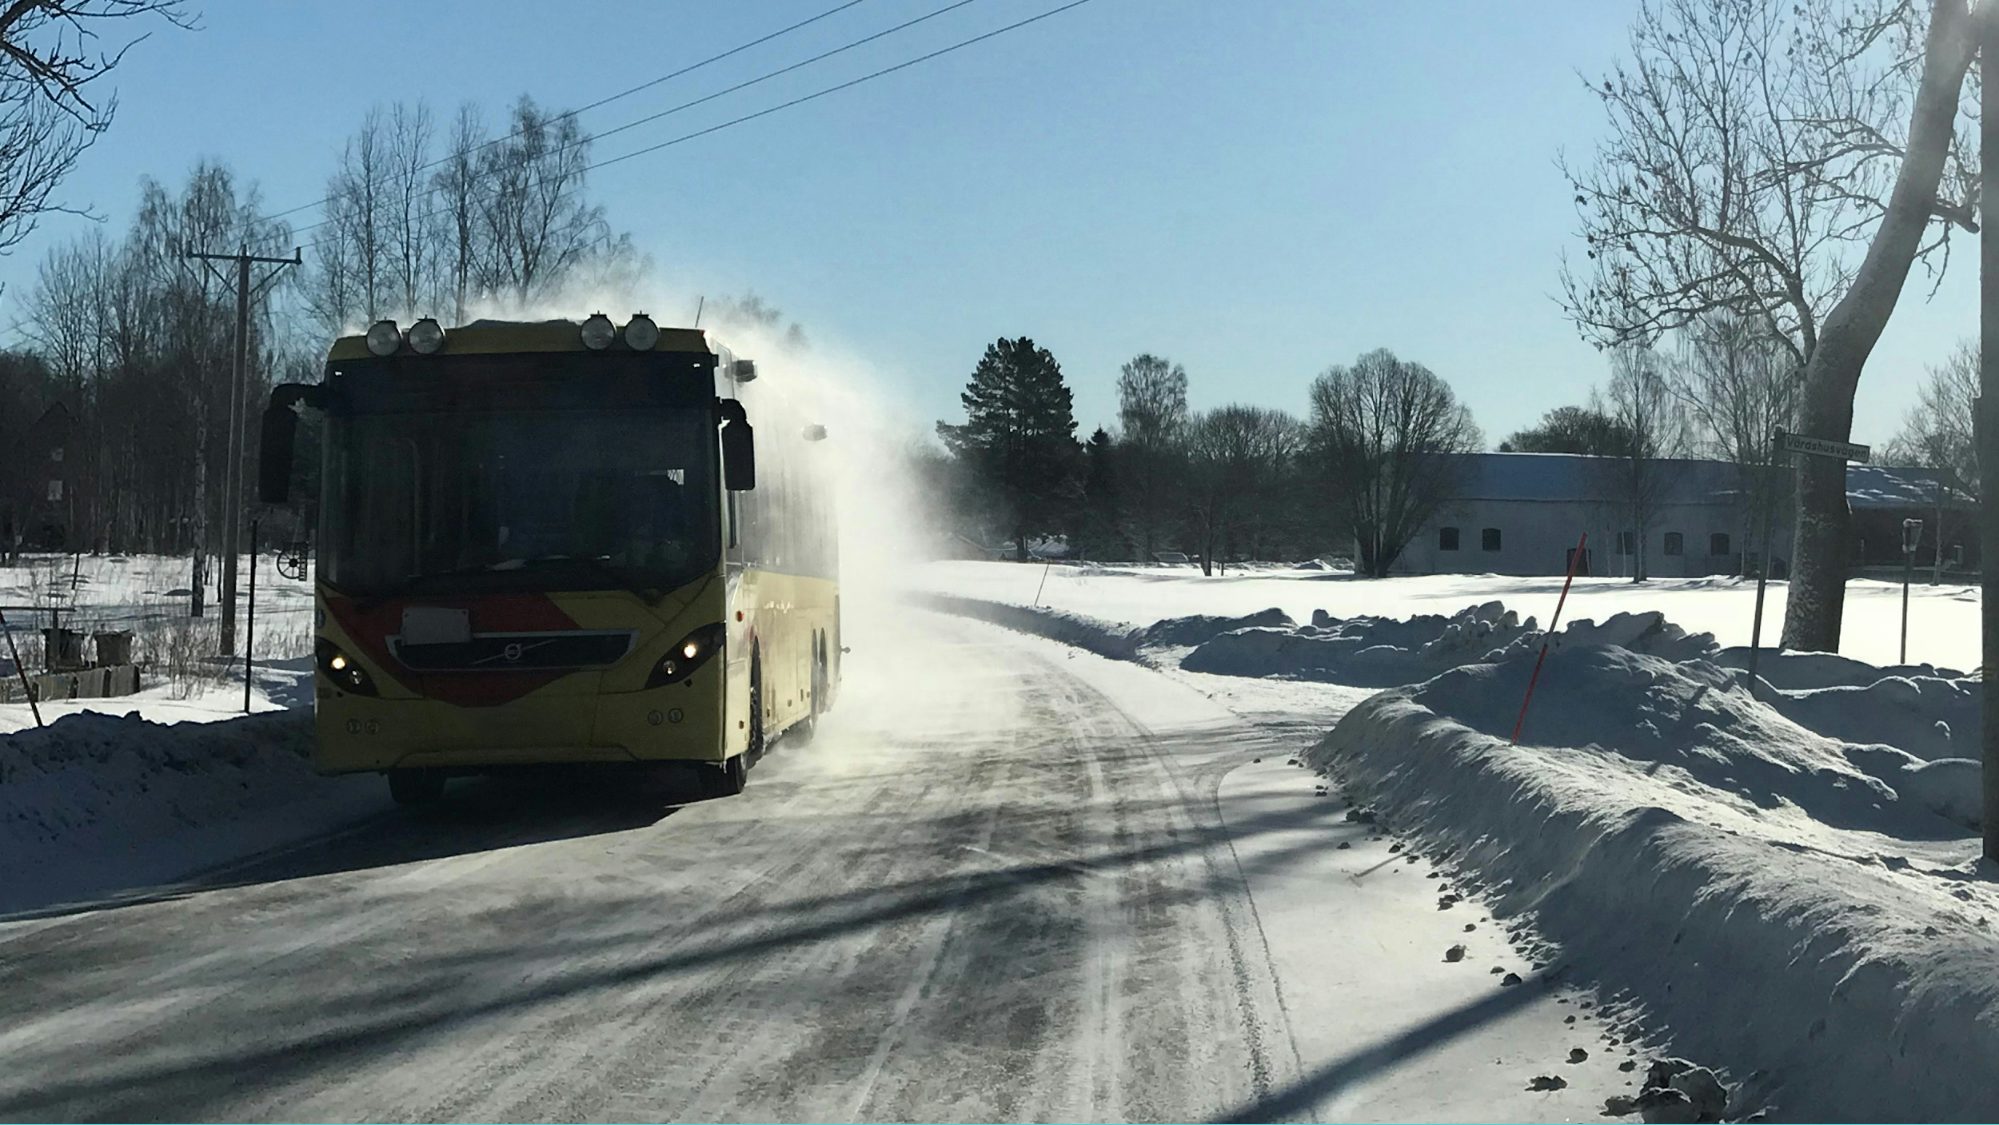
<point>1535,536</point>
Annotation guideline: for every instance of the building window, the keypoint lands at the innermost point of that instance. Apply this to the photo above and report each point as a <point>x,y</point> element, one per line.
<point>1489,539</point>
<point>1676,544</point>
<point>1447,539</point>
<point>1627,543</point>
<point>1717,544</point>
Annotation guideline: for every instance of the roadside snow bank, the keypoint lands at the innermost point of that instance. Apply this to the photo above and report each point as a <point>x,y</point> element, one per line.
<point>1119,642</point>
<point>1778,897</point>
<point>1383,652</point>
<point>94,802</point>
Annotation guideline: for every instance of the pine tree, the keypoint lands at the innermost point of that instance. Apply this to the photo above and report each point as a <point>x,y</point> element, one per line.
<point>1097,534</point>
<point>1019,436</point>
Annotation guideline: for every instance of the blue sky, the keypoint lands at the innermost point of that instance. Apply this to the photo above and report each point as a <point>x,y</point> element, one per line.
<point>1255,189</point>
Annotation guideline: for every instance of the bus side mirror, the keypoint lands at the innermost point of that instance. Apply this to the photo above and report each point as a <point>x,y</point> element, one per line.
<point>274,461</point>
<point>739,448</point>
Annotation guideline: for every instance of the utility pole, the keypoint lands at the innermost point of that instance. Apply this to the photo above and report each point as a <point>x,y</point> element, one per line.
<point>232,473</point>
<point>1986,429</point>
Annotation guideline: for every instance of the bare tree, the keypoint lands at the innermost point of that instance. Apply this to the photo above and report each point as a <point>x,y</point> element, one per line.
<point>412,244</point>
<point>1816,604</point>
<point>1152,409</point>
<point>1379,431</point>
<point>1755,148</point>
<point>1238,457</point>
<point>1738,386</point>
<point>1936,432</point>
<point>455,185</point>
<point>50,64</point>
<point>353,263</point>
<point>538,226</point>
<point>1652,425</point>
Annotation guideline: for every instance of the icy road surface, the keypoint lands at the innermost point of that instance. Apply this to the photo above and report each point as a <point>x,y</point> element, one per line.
<point>1009,881</point>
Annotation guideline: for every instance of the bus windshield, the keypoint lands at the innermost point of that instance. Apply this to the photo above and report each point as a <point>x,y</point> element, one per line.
<point>470,502</point>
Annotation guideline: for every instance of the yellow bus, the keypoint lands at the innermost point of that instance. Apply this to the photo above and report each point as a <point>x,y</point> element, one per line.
<point>560,542</point>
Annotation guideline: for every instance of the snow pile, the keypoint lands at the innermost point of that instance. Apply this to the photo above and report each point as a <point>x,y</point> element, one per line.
<point>1809,671</point>
<point>1648,632</point>
<point>93,801</point>
<point>1375,651</point>
<point>1201,628</point>
<point>1676,839</point>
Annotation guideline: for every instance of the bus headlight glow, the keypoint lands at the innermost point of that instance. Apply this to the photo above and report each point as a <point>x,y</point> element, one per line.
<point>641,334</point>
<point>384,338</point>
<point>683,659</point>
<point>598,332</point>
<point>343,672</point>
<point>426,336</point>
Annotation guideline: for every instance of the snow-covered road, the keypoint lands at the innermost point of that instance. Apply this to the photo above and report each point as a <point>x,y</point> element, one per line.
<point>1009,881</point>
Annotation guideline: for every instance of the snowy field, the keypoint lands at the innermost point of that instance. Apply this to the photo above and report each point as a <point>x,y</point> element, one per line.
<point>1943,620</point>
<point>1791,883</point>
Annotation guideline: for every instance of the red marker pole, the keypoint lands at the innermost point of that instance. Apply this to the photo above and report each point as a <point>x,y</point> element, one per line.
<point>1581,546</point>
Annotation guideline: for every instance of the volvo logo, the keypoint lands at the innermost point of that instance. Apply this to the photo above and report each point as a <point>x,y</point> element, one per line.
<point>512,653</point>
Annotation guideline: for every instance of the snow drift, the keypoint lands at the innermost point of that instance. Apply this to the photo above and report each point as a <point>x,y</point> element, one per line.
<point>94,802</point>
<point>1773,894</point>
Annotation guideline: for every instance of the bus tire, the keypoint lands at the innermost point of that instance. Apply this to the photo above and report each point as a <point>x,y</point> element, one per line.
<point>755,746</point>
<point>412,787</point>
<point>726,779</point>
<point>808,727</point>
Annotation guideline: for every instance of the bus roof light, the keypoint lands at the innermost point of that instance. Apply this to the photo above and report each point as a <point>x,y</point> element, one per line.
<point>384,338</point>
<point>598,332</point>
<point>427,336</point>
<point>641,334</point>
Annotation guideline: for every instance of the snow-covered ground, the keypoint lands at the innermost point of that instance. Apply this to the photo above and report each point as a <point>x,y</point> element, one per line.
<point>133,791</point>
<point>1790,884</point>
<point>1943,620</point>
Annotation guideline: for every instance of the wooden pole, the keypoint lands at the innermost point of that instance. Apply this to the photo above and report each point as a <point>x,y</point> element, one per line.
<point>15,655</point>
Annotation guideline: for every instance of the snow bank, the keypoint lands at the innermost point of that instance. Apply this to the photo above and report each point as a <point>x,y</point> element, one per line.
<point>94,802</point>
<point>1119,642</point>
<point>1384,652</point>
<point>1775,896</point>
<point>1809,671</point>
<point>1201,628</point>
<point>1368,651</point>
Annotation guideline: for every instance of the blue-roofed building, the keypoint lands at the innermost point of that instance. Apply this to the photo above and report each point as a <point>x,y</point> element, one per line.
<point>1522,513</point>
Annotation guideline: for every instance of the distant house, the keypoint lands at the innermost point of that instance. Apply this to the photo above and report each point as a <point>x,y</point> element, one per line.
<point>1521,514</point>
<point>42,508</point>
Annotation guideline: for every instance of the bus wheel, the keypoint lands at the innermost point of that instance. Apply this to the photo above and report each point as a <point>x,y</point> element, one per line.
<point>755,748</point>
<point>809,726</point>
<point>416,786</point>
<point>728,778</point>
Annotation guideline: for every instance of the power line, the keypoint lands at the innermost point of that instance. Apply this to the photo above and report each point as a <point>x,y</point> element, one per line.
<point>847,85</point>
<point>765,77</point>
<point>600,102</point>
<point>835,89</point>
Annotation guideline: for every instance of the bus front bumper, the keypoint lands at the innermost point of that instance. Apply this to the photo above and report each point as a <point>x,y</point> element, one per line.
<point>680,722</point>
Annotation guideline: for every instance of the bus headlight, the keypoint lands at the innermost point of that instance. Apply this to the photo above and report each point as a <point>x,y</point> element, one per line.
<point>341,669</point>
<point>692,651</point>
<point>426,336</point>
<point>598,332</point>
<point>641,334</point>
<point>384,338</point>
